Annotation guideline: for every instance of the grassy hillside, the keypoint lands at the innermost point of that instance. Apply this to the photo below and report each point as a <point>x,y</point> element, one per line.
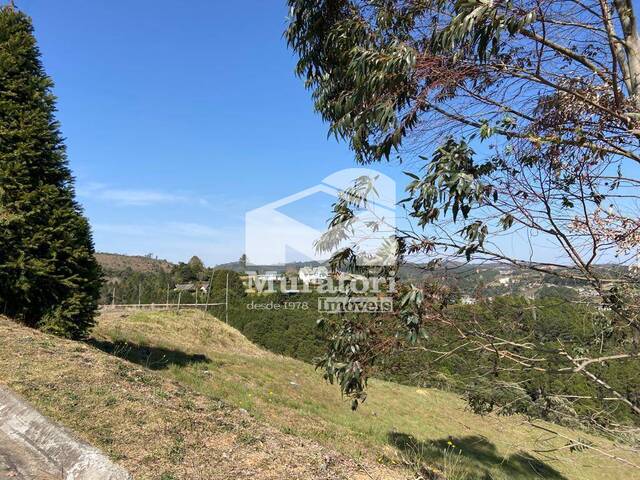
<point>114,262</point>
<point>154,426</point>
<point>399,424</point>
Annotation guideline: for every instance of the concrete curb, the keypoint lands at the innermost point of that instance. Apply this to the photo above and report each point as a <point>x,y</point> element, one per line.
<point>71,458</point>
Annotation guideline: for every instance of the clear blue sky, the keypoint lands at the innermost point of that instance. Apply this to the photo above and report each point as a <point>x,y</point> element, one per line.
<point>179,117</point>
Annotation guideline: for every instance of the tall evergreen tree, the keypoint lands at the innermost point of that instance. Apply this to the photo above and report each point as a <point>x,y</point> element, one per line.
<point>197,267</point>
<point>49,277</point>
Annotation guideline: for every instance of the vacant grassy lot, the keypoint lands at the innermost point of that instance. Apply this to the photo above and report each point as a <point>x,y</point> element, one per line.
<point>398,424</point>
<point>154,426</point>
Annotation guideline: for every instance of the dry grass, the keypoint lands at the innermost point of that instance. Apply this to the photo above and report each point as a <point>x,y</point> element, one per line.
<point>153,425</point>
<point>163,419</point>
<point>399,424</point>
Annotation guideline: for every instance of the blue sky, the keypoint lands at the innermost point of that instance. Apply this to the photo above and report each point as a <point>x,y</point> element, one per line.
<point>179,118</point>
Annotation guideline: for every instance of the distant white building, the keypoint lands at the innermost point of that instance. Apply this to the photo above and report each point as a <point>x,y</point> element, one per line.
<point>271,276</point>
<point>313,275</point>
<point>467,300</point>
<point>185,287</point>
<point>349,277</point>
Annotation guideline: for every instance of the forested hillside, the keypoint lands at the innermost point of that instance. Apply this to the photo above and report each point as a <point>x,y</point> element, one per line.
<point>292,328</point>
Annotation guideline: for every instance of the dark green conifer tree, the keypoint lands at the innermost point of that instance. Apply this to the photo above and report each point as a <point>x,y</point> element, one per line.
<point>219,285</point>
<point>49,277</point>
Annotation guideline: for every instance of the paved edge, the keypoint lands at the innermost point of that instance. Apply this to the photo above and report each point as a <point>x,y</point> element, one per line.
<point>76,459</point>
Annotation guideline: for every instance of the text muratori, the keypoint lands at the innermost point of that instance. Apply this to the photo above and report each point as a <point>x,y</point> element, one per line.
<point>330,285</point>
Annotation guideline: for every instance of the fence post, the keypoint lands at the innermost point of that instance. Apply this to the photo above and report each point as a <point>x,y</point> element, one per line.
<point>226,301</point>
<point>206,307</point>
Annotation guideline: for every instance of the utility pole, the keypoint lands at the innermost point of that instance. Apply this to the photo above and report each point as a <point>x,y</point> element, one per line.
<point>179,296</point>
<point>206,307</point>
<point>139,294</point>
<point>113,296</point>
<point>226,301</point>
<point>167,296</point>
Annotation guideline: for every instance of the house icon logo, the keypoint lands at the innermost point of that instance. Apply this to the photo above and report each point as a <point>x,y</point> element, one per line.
<point>271,237</point>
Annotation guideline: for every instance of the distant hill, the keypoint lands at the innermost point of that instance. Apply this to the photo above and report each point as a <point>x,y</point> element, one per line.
<point>115,262</point>
<point>280,268</point>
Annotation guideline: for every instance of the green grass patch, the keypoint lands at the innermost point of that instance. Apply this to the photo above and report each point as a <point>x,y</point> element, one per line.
<point>425,429</point>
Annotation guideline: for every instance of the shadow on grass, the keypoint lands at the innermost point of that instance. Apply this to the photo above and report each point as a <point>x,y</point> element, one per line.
<point>154,358</point>
<point>472,458</point>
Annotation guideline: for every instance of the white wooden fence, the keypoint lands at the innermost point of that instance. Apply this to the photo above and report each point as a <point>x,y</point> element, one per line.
<point>171,306</point>
<point>158,306</point>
